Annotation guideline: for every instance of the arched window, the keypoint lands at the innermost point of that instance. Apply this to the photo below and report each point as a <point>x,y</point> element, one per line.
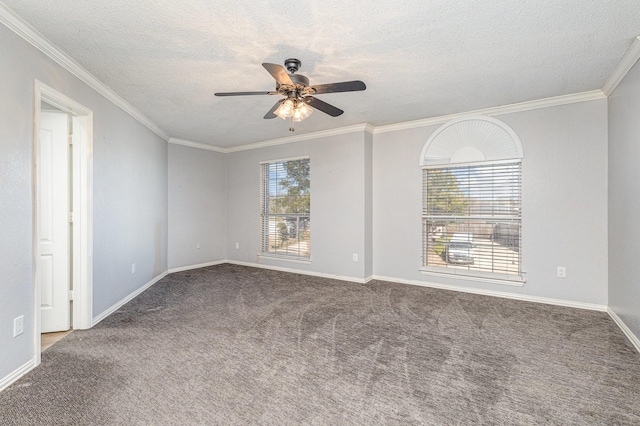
<point>472,199</point>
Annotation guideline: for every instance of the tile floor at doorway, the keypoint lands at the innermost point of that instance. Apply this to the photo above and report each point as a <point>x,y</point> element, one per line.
<point>49,339</point>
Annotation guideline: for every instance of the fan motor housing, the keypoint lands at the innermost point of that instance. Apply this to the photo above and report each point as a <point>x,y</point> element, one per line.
<point>299,79</point>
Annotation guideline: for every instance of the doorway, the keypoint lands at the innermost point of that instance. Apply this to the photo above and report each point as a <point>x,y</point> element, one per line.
<point>54,218</point>
<point>62,214</point>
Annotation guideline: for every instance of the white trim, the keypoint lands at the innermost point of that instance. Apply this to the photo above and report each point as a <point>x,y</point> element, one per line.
<point>472,163</point>
<point>9,379</point>
<point>498,110</point>
<point>35,238</point>
<point>297,271</point>
<point>127,299</point>
<point>632,337</point>
<point>505,295</point>
<point>293,259</point>
<point>83,221</point>
<point>516,281</point>
<point>627,62</point>
<point>365,127</point>
<point>369,128</point>
<point>197,266</point>
<point>40,42</point>
<point>197,145</point>
<point>282,160</point>
<point>82,271</point>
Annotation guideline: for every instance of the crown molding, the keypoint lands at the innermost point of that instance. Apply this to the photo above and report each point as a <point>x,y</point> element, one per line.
<point>499,110</point>
<point>32,36</point>
<point>40,42</point>
<point>369,128</point>
<point>191,144</point>
<point>629,59</point>
<point>365,127</point>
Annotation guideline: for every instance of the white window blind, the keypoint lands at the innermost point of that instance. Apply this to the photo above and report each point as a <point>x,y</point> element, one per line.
<point>285,201</point>
<point>472,219</point>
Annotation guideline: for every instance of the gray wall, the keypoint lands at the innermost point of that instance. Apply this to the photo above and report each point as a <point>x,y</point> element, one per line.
<point>564,210</point>
<point>624,200</point>
<point>368,204</point>
<point>130,194</point>
<point>129,204</point>
<point>197,211</point>
<point>337,204</point>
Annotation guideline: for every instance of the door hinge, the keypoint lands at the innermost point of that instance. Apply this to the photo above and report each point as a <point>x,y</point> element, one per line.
<point>70,294</point>
<point>70,139</point>
<point>71,217</point>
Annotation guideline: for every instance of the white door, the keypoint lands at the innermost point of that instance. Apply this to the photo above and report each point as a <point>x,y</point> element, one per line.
<point>53,217</point>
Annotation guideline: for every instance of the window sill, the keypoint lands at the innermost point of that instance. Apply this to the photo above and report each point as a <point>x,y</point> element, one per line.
<point>284,258</point>
<point>516,281</point>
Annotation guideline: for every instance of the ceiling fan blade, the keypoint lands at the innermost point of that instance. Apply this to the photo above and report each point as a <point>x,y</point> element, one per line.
<point>279,73</point>
<point>271,114</point>
<point>345,86</point>
<point>244,93</point>
<point>323,106</point>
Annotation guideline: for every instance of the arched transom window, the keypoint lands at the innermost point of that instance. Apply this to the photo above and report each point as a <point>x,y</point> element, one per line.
<point>472,201</point>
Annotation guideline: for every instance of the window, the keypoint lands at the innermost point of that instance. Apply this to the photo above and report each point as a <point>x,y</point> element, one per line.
<point>471,220</point>
<point>285,195</point>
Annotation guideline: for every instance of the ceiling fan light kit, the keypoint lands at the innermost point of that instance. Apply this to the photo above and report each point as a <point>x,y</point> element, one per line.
<point>299,101</point>
<point>301,112</point>
<point>293,109</point>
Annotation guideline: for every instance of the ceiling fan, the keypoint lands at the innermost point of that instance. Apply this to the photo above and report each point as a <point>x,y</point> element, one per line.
<point>298,95</point>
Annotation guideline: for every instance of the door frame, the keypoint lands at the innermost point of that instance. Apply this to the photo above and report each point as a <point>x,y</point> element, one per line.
<point>82,187</point>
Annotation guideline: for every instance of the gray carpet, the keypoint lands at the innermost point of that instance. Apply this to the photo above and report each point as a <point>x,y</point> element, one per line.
<point>237,345</point>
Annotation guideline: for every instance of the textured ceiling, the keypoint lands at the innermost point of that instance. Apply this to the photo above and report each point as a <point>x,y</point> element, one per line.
<point>419,58</point>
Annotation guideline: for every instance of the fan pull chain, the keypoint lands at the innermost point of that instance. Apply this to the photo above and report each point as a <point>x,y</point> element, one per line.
<point>291,129</point>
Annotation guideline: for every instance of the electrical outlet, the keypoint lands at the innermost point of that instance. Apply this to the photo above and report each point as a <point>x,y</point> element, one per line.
<point>18,326</point>
<point>133,268</point>
<point>237,246</point>
<point>198,245</point>
<point>355,257</point>
<point>562,272</point>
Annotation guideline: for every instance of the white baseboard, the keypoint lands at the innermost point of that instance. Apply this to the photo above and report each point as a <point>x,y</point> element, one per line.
<point>28,366</point>
<point>515,296</point>
<point>128,298</point>
<point>632,337</point>
<point>506,295</point>
<point>298,271</point>
<point>198,266</point>
<point>16,374</point>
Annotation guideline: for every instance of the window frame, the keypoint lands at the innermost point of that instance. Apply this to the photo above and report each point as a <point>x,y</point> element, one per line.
<point>265,215</point>
<point>467,274</point>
